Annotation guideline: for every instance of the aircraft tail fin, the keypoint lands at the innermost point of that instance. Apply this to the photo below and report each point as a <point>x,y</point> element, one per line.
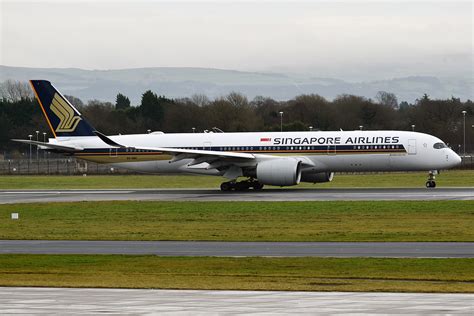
<point>62,117</point>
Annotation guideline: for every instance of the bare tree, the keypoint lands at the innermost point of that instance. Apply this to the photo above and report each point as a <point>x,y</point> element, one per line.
<point>200,99</point>
<point>15,90</point>
<point>75,101</point>
<point>387,98</point>
<point>237,99</point>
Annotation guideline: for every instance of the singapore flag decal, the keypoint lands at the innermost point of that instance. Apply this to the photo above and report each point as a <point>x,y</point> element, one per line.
<point>265,139</point>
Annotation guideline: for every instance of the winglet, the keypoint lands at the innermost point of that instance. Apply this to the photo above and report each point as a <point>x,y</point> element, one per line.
<point>107,140</point>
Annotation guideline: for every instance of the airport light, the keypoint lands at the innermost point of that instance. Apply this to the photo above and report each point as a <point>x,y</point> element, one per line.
<point>194,129</point>
<point>148,131</point>
<point>30,136</point>
<point>37,148</point>
<point>464,131</point>
<point>361,127</point>
<point>413,127</point>
<point>281,121</point>
<point>310,128</point>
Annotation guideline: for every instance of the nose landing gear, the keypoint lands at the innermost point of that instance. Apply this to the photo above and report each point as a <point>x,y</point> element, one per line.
<point>431,183</point>
<point>241,185</point>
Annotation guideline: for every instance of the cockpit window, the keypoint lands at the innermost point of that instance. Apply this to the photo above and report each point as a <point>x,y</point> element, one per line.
<point>439,145</point>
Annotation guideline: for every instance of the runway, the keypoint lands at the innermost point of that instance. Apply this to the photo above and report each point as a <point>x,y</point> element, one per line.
<point>30,196</point>
<point>244,249</point>
<point>49,301</point>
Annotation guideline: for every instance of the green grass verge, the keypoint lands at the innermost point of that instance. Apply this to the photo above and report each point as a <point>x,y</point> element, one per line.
<point>452,178</point>
<point>242,221</point>
<point>304,274</point>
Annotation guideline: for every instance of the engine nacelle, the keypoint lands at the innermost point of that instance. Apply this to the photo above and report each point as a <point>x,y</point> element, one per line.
<point>281,172</point>
<point>317,177</point>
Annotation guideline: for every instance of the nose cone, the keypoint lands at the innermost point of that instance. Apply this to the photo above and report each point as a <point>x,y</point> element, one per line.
<point>455,159</point>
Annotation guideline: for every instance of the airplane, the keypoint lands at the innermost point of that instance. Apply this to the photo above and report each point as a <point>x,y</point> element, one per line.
<point>263,158</point>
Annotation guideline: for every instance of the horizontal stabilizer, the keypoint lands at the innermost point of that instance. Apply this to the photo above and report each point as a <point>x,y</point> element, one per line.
<point>47,145</point>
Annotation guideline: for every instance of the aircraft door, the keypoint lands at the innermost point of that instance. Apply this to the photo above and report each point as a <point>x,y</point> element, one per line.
<point>113,152</point>
<point>412,146</point>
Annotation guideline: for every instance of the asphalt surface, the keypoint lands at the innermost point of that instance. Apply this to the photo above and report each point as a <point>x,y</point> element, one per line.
<point>244,249</point>
<point>65,301</point>
<point>28,196</point>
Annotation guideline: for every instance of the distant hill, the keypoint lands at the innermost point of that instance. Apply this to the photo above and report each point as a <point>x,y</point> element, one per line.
<point>184,82</point>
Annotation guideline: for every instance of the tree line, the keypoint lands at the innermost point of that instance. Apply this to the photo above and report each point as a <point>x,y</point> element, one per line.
<point>20,115</point>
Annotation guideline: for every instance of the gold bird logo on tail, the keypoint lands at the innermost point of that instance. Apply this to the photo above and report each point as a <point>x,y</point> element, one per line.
<point>67,119</point>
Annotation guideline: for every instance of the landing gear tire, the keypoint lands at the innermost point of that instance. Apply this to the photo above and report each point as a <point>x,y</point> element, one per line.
<point>430,184</point>
<point>431,179</point>
<point>257,186</point>
<point>242,186</point>
<point>226,186</point>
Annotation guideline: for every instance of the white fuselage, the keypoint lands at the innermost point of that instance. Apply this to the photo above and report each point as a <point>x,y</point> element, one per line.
<point>332,151</point>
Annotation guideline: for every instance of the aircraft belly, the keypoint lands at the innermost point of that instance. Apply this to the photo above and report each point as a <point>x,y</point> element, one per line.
<point>354,163</point>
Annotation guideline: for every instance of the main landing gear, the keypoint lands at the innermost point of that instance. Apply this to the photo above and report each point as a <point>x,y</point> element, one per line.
<point>431,179</point>
<point>241,185</point>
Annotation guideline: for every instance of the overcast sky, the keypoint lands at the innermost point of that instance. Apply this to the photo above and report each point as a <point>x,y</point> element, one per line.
<point>345,39</point>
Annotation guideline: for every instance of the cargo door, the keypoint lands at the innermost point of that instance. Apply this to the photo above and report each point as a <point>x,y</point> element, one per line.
<point>206,146</point>
<point>331,149</point>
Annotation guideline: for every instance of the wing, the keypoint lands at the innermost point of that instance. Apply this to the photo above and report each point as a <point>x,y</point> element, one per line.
<point>214,159</point>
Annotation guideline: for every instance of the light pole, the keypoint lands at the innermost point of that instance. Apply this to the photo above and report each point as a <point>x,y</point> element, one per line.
<point>413,127</point>
<point>281,121</point>
<point>30,136</point>
<point>464,131</point>
<point>310,128</point>
<point>37,148</point>
<point>44,141</point>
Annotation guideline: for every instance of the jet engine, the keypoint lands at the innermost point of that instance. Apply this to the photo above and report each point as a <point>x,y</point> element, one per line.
<point>281,172</point>
<point>317,177</point>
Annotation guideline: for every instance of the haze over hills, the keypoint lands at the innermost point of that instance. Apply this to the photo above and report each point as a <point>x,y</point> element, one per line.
<point>185,82</point>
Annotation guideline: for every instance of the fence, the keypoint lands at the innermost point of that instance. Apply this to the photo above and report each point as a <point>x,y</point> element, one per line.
<point>68,166</point>
<point>72,166</point>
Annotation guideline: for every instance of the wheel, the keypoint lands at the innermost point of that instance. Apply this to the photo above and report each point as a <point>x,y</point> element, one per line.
<point>226,186</point>
<point>430,184</point>
<point>242,186</point>
<point>257,186</point>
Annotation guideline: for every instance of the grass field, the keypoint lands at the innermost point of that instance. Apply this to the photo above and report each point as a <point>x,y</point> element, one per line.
<point>305,274</point>
<point>452,178</point>
<point>242,221</point>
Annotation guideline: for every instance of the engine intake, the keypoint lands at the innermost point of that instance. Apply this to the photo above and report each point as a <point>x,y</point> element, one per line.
<point>281,172</point>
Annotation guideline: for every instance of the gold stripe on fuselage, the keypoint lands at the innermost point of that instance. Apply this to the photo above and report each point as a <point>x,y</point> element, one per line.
<point>112,157</point>
<point>122,157</point>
